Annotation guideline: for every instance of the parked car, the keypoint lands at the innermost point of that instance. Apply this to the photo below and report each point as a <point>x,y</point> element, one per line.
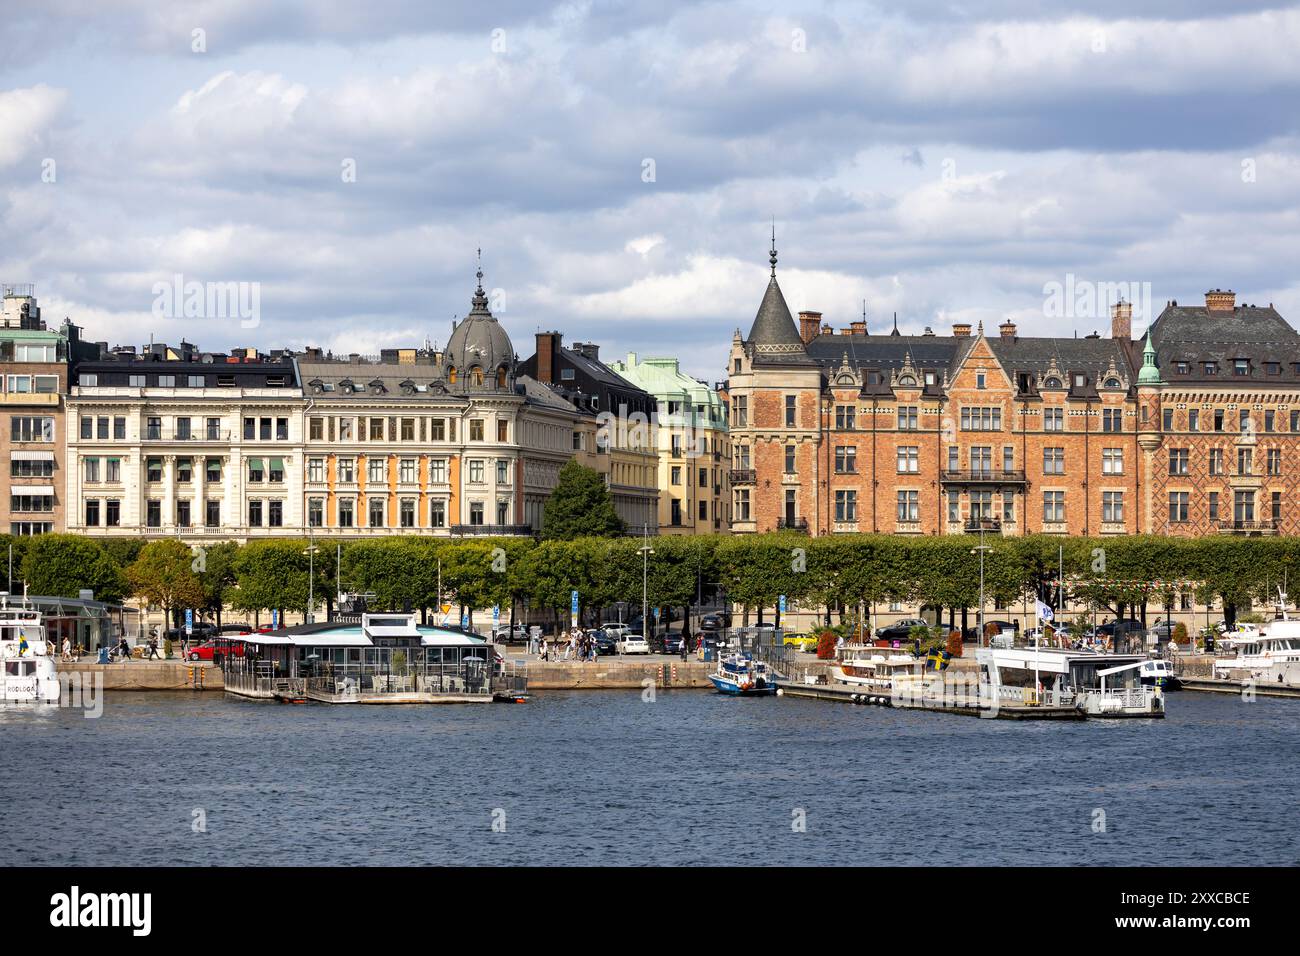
<point>505,634</point>
<point>605,643</point>
<point>616,630</point>
<point>800,640</point>
<point>671,643</point>
<point>207,650</point>
<point>227,629</point>
<point>900,630</point>
<point>632,643</point>
<point>202,631</point>
<point>1162,629</point>
<point>714,622</point>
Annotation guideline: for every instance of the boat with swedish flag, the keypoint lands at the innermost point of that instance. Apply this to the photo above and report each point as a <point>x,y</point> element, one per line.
<point>739,675</point>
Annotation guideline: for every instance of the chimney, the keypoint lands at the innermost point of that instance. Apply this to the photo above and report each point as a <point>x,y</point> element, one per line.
<point>548,348</point>
<point>961,330</point>
<point>827,330</point>
<point>809,323</point>
<point>1220,300</point>
<point>858,328</point>
<point>1008,329</point>
<point>587,350</point>
<point>1121,320</point>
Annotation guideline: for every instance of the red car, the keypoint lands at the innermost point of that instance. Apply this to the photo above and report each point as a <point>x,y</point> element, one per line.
<point>204,651</point>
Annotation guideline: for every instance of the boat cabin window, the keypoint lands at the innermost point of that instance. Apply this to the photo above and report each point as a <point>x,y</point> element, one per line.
<point>20,668</point>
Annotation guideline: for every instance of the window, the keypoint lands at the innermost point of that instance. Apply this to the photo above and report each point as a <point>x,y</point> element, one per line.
<point>182,513</point>
<point>1210,368</point>
<point>789,459</point>
<point>503,512</point>
<point>844,417</point>
<point>981,505</point>
<point>407,472</point>
<point>1216,461</point>
<point>1194,420</point>
<point>315,512</point>
<point>1008,507</point>
<point>275,471</point>
<point>315,469</point>
<point>907,418</point>
<point>1243,506</point>
<point>1008,458</point>
<point>345,429</point>
<point>437,471</point>
<point>92,513</point>
<point>981,419</point>
<point>1178,461</point>
<point>476,513</point>
<point>135,381</point>
<point>19,468</point>
<point>1274,463</point>
<point>212,470</point>
<point>91,469</point>
<point>908,459</point>
<point>256,471</point>
<point>1272,368</point>
<point>1112,461</point>
<point>264,429</point>
<point>153,469</point>
<point>153,513</point>
<point>184,470</point>
<point>1167,420</point>
<point>194,381</point>
<point>1214,506</point>
<point>250,429</point>
<point>119,427</point>
<point>376,469</point>
<point>981,459</point>
<point>275,514</point>
<point>316,429</point>
<point>909,506</point>
<point>375,429</point>
<point>476,471</point>
<point>676,474</point>
<point>183,429</point>
<point>87,427</point>
<point>1245,461</point>
<point>1241,366</point>
<point>476,429</point>
<point>981,380</point>
<point>1053,507</point>
<point>503,471</point>
<point>1218,419</point>
<point>740,406</point>
<point>437,514</point>
<point>742,504</point>
<point>1112,419</point>
<point>347,471</point>
<point>346,510</point>
<point>846,505</point>
<point>375,507</point>
<point>1182,368</point>
<point>34,428</point>
<point>1270,420</point>
<point>1053,461</point>
<point>1112,506</point>
<point>255,513</point>
<point>1276,500</point>
<point>20,502</point>
<point>790,411</point>
<point>1178,506</point>
<point>282,429</point>
<point>406,513</point>
<point>503,430</point>
<point>153,429</point>
<point>87,379</point>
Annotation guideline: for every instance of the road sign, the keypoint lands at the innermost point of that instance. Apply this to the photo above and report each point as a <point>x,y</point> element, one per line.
<point>275,620</point>
<point>189,622</point>
<point>496,614</point>
<point>464,620</point>
<point>573,603</point>
<point>782,604</point>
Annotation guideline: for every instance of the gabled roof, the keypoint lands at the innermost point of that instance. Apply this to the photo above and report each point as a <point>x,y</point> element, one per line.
<point>886,353</point>
<point>1094,357</point>
<point>1196,335</point>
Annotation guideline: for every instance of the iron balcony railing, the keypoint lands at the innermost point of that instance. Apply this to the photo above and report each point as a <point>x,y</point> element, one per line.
<point>500,530</point>
<point>742,476</point>
<point>1267,526</point>
<point>993,475</point>
<point>792,524</point>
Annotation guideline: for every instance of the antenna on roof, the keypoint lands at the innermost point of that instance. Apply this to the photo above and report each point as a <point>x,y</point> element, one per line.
<point>773,255</point>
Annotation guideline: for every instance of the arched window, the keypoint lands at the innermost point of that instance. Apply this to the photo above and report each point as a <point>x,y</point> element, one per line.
<point>476,376</point>
<point>451,374</point>
<point>501,376</point>
<point>1052,383</point>
<point>1112,383</point>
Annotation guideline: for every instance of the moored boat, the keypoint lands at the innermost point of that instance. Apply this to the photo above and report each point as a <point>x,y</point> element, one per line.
<point>877,668</point>
<point>28,674</point>
<point>741,676</point>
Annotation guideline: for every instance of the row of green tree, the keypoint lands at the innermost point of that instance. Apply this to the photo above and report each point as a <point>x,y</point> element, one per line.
<point>843,574</point>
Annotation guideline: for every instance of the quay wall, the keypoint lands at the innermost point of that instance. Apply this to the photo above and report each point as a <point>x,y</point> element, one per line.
<point>149,675</point>
<point>605,674</point>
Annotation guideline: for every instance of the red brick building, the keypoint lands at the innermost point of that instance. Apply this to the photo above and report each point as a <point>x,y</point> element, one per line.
<point>1195,431</point>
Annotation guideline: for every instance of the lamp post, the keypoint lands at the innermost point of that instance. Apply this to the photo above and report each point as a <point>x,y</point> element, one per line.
<point>980,551</point>
<point>311,577</point>
<point>646,551</point>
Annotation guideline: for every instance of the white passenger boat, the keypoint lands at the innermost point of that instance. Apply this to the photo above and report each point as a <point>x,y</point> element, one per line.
<point>1273,655</point>
<point>877,668</point>
<point>1100,685</point>
<point>28,675</point>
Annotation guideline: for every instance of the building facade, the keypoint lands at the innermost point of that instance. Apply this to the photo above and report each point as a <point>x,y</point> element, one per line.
<point>618,434</point>
<point>935,434</point>
<point>694,450</point>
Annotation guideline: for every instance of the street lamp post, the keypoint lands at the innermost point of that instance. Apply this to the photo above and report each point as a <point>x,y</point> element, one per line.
<point>311,577</point>
<point>980,550</point>
<point>646,551</point>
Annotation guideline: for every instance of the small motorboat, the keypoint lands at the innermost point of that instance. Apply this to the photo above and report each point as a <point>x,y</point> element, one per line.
<point>741,676</point>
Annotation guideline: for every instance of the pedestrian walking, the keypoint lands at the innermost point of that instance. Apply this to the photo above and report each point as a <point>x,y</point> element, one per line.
<point>67,649</point>
<point>686,647</point>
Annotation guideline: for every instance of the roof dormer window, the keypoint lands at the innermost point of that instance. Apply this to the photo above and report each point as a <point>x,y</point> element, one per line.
<point>1241,366</point>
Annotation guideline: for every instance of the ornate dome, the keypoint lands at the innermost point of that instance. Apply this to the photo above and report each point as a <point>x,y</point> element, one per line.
<point>479,354</point>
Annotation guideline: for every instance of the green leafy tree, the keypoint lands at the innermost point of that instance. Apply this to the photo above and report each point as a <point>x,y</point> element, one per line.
<point>271,575</point>
<point>163,576</point>
<point>217,575</point>
<point>63,564</point>
<point>580,506</point>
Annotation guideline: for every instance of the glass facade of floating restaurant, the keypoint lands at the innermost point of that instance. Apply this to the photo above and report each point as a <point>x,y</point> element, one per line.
<point>88,624</point>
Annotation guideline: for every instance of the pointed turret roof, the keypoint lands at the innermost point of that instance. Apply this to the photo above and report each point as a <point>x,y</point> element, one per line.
<point>774,337</point>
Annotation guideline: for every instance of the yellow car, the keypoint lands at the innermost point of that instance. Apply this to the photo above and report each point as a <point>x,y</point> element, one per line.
<point>800,641</point>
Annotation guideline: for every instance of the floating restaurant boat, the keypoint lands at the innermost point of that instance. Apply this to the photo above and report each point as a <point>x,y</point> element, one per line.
<point>1100,685</point>
<point>28,675</point>
<point>1272,656</point>
<point>742,676</point>
<point>384,659</point>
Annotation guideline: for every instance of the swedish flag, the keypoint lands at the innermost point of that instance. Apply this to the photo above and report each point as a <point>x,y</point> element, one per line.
<point>22,645</point>
<point>937,660</point>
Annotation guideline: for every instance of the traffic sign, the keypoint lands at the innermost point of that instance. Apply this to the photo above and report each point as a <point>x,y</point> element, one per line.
<point>189,622</point>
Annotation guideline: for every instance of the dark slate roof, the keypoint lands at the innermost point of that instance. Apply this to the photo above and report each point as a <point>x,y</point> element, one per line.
<point>1194,334</point>
<point>886,354</point>
<point>774,337</point>
<point>1091,356</point>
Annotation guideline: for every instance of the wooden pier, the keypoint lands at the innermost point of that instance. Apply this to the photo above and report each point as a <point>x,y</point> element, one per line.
<point>965,705</point>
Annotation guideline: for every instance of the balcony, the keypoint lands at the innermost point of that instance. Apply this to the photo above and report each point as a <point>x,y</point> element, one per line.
<point>198,434</point>
<point>792,524</point>
<point>976,525</point>
<point>492,530</point>
<point>742,476</point>
<point>969,476</point>
<point>1248,527</point>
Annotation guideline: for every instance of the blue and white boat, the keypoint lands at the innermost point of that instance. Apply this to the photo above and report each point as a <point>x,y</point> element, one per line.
<point>742,676</point>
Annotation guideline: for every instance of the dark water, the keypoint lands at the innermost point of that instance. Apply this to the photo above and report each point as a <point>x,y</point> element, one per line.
<point>604,778</point>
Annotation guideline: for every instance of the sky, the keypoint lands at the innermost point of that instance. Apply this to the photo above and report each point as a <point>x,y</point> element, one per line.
<point>622,165</point>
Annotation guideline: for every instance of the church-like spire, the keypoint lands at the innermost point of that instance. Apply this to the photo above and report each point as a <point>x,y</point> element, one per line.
<point>1150,373</point>
<point>480,300</point>
<point>895,332</point>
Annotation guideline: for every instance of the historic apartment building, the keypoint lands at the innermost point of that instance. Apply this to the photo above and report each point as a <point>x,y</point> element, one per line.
<point>178,443</point>
<point>694,451</point>
<point>617,435</point>
<point>1194,431</point>
<point>33,385</point>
